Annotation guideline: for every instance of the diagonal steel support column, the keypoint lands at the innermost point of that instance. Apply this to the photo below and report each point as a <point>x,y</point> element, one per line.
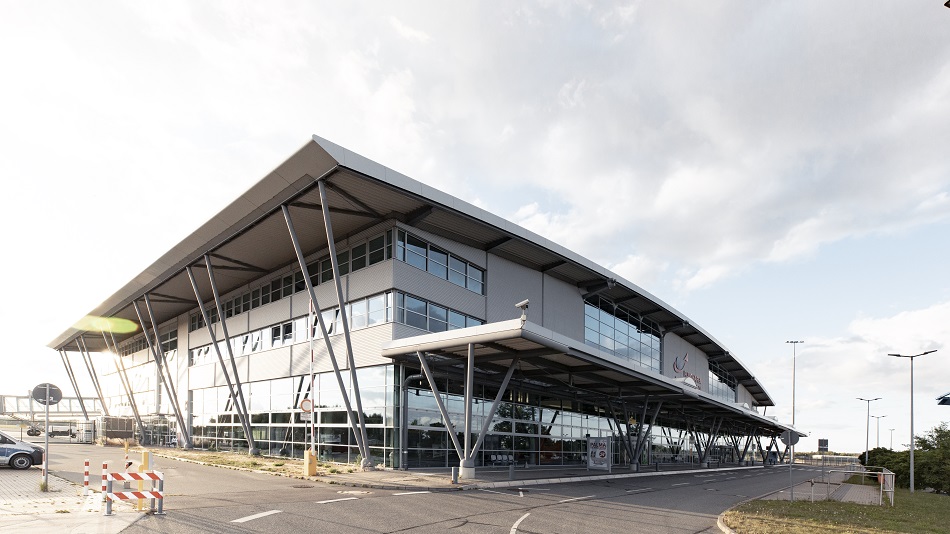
<point>72,381</point>
<point>641,442</point>
<point>438,400</point>
<point>217,350</point>
<point>354,422</point>
<point>745,450</point>
<point>241,406</point>
<point>325,208</point>
<point>494,407</point>
<point>155,347</point>
<point>625,438</point>
<point>87,359</point>
<point>126,385</point>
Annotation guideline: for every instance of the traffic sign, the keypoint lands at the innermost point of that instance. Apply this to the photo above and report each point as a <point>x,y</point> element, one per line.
<point>306,405</point>
<point>39,394</point>
<point>789,438</point>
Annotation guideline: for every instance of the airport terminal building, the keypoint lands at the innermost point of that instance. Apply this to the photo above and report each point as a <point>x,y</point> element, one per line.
<point>346,306</point>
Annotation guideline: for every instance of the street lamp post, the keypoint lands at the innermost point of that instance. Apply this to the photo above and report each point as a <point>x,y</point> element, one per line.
<point>791,458</point>
<point>878,417</point>
<point>892,438</point>
<point>911,409</point>
<point>867,432</point>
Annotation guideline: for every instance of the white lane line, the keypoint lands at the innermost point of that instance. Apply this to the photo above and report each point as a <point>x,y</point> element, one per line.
<point>681,484</point>
<point>577,498</point>
<point>729,478</point>
<point>255,516</point>
<point>638,490</point>
<point>411,492</point>
<point>493,491</point>
<point>514,528</point>
<point>337,500</point>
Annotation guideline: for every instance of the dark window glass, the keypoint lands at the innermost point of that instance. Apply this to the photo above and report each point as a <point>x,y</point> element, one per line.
<point>299,283</point>
<point>255,298</point>
<point>343,262</point>
<point>376,252</point>
<point>456,320</point>
<point>359,257</point>
<point>438,262</point>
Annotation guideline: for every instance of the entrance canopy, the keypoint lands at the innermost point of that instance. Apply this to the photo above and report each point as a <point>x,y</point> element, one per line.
<point>555,366</point>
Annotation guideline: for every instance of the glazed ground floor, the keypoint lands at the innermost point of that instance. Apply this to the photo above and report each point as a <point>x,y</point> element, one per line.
<point>406,429</point>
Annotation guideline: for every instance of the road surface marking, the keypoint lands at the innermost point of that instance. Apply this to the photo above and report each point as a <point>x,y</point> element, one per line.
<point>255,516</point>
<point>638,490</point>
<point>338,500</point>
<point>514,528</point>
<point>681,484</point>
<point>492,491</point>
<point>577,498</point>
<point>411,492</point>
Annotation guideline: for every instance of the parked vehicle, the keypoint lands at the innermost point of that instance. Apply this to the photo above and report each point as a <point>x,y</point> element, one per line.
<point>19,454</point>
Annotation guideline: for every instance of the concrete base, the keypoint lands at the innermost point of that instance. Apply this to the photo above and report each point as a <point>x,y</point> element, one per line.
<point>467,473</point>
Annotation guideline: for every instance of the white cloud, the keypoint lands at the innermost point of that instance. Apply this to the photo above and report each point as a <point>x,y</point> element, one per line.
<point>408,33</point>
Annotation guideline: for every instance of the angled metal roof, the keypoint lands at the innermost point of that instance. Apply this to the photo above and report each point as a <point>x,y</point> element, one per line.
<point>249,238</point>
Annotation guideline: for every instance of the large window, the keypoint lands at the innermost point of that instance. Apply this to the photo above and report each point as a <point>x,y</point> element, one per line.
<point>419,253</point>
<point>622,333</point>
<point>321,271</point>
<point>378,309</point>
<point>722,385</point>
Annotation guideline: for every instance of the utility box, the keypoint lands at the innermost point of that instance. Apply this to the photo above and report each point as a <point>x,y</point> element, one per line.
<point>309,463</point>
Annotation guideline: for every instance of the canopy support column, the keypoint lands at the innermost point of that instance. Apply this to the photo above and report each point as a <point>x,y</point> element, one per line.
<point>217,350</point>
<point>438,401</point>
<point>325,208</point>
<point>242,407</point>
<point>467,463</point>
<point>87,359</point>
<point>494,406</point>
<point>126,385</point>
<point>72,381</point>
<point>354,425</point>
<point>155,347</point>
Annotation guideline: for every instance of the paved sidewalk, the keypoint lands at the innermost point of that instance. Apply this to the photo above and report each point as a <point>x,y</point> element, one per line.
<point>498,477</point>
<point>63,509</point>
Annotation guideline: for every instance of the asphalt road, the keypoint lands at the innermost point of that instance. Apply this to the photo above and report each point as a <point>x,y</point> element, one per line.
<point>208,499</point>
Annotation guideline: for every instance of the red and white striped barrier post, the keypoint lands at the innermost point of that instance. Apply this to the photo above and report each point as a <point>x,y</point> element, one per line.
<point>85,478</point>
<point>142,494</point>
<point>105,474</point>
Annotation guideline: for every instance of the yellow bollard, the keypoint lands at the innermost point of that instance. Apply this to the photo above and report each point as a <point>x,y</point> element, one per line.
<point>309,463</point>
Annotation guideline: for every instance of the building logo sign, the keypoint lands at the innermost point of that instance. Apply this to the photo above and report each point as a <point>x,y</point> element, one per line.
<point>681,369</point>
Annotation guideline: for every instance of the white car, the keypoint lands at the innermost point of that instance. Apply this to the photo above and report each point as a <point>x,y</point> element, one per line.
<point>19,454</point>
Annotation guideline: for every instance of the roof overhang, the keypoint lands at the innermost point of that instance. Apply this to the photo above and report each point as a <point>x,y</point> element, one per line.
<point>557,366</point>
<point>248,239</point>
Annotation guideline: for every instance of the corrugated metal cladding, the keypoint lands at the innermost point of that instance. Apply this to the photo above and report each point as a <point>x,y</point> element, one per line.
<point>470,254</point>
<point>367,343</point>
<point>236,325</point>
<point>510,283</point>
<point>562,309</point>
<point>402,331</point>
<point>240,362</point>
<point>267,315</point>
<point>460,227</point>
<point>376,195</point>
<point>743,396</point>
<point>371,280</point>
<point>268,365</point>
<point>355,239</point>
<point>434,289</point>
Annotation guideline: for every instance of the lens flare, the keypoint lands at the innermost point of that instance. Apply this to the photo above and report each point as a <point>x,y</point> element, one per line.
<point>116,325</point>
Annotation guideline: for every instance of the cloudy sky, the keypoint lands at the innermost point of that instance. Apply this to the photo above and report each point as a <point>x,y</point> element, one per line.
<point>775,171</point>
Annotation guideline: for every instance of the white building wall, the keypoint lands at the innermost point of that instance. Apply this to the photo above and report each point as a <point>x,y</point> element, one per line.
<point>682,359</point>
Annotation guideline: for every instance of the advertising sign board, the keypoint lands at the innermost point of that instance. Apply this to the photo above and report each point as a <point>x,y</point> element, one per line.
<point>598,453</point>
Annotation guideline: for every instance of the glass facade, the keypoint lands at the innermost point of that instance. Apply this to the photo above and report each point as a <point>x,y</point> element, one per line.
<point>621,332</point>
